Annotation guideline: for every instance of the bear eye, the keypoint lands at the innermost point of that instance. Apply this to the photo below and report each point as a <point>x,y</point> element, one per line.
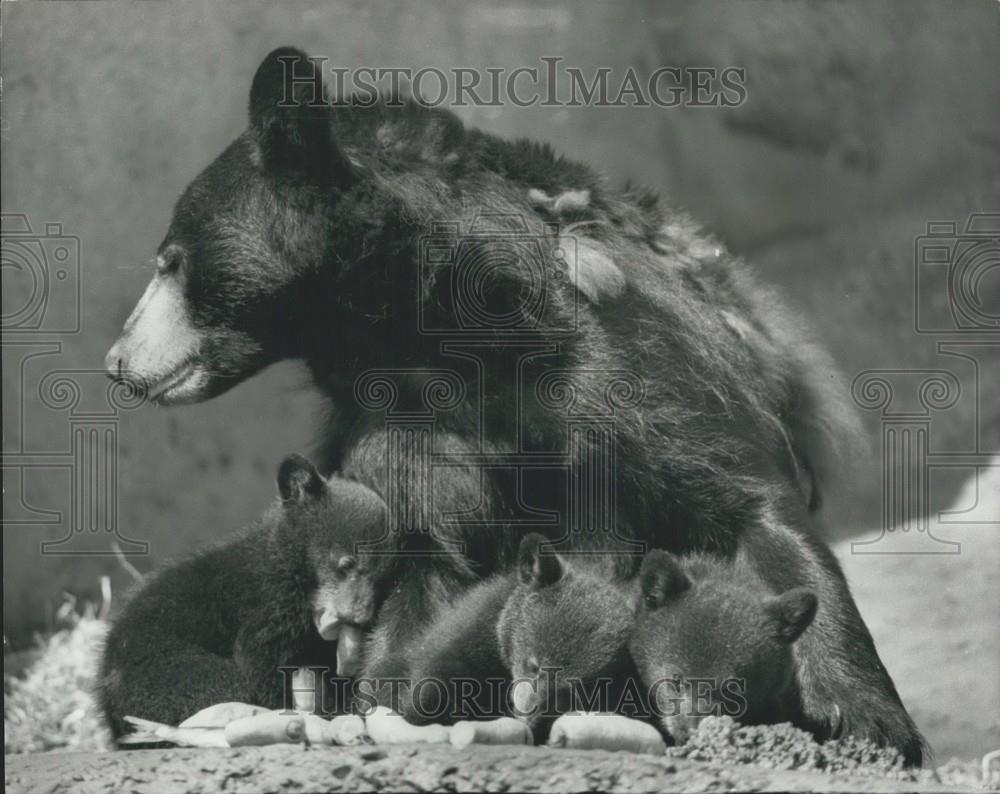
<point>169,260</point>
<point>346,564</point>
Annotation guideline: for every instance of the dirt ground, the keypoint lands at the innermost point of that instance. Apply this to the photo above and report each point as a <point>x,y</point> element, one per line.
<point>285,768</point>
<point>934,619</point>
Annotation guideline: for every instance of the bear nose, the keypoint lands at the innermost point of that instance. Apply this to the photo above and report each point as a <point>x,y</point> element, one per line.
<point>114,362</point>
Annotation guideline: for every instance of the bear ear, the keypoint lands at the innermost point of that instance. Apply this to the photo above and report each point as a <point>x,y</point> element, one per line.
<point>291,118</point>
<point>537,568</point>
<point>661,578</point>
<point>790,613</point>
<point>299,480</point>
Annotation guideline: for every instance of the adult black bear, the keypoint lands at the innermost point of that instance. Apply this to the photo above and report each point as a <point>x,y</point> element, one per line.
<point>221,625</point>
<point>613,376</point>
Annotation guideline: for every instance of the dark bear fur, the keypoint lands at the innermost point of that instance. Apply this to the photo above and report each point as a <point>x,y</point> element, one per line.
<point>695,621</point>
<point>425,581</point>
<point>303,240</point>
<point>221,625</point>
<point>711,638</point>
<point>564,634</point>
<point>553,628</point>
<point>456,671</point>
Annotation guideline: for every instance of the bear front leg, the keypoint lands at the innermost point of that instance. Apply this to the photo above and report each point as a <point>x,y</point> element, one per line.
<point>265,651</point>
<point>844,688</point>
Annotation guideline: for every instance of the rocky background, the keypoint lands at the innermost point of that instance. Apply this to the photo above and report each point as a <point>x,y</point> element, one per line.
<point>863,123</point>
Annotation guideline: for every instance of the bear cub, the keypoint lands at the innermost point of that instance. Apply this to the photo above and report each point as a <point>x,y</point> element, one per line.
<point>709,638</point>
<point>686,637</point>
<point>548,636</point>
<point>290,590</point>
<point>564,634</point>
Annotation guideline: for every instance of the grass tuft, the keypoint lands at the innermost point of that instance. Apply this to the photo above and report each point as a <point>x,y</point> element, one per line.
<point>50,706</point>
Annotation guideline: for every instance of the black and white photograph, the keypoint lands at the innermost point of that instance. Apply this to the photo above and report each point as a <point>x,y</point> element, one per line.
<point>543,396</point>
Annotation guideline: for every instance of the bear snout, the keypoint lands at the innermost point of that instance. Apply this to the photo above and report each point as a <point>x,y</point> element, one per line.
<point>158,348</point>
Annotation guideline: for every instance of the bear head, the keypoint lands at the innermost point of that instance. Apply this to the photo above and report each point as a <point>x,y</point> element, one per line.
<point>563,634</point>
<point>325,533</point>
<point>307,239</point>
<point>711,639</point>
<point>245,237</point>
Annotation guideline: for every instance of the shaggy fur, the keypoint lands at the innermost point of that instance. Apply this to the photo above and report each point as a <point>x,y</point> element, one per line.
<point>455,670</point>
<point>303,240</point>
<point>561,626</point>
<point>425,582</point>
<point>703,619</point>
<point>565,630</point>
<point>221,625</point>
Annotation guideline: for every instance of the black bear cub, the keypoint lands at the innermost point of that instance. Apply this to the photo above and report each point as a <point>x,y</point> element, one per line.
<point>710,638</point>
<point>219,626</point>
<point>549,636</point>
<point>564,634</point>
<point>686,638</point>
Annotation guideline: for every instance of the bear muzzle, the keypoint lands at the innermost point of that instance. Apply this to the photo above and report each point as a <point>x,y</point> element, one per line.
<point>158,348</point>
